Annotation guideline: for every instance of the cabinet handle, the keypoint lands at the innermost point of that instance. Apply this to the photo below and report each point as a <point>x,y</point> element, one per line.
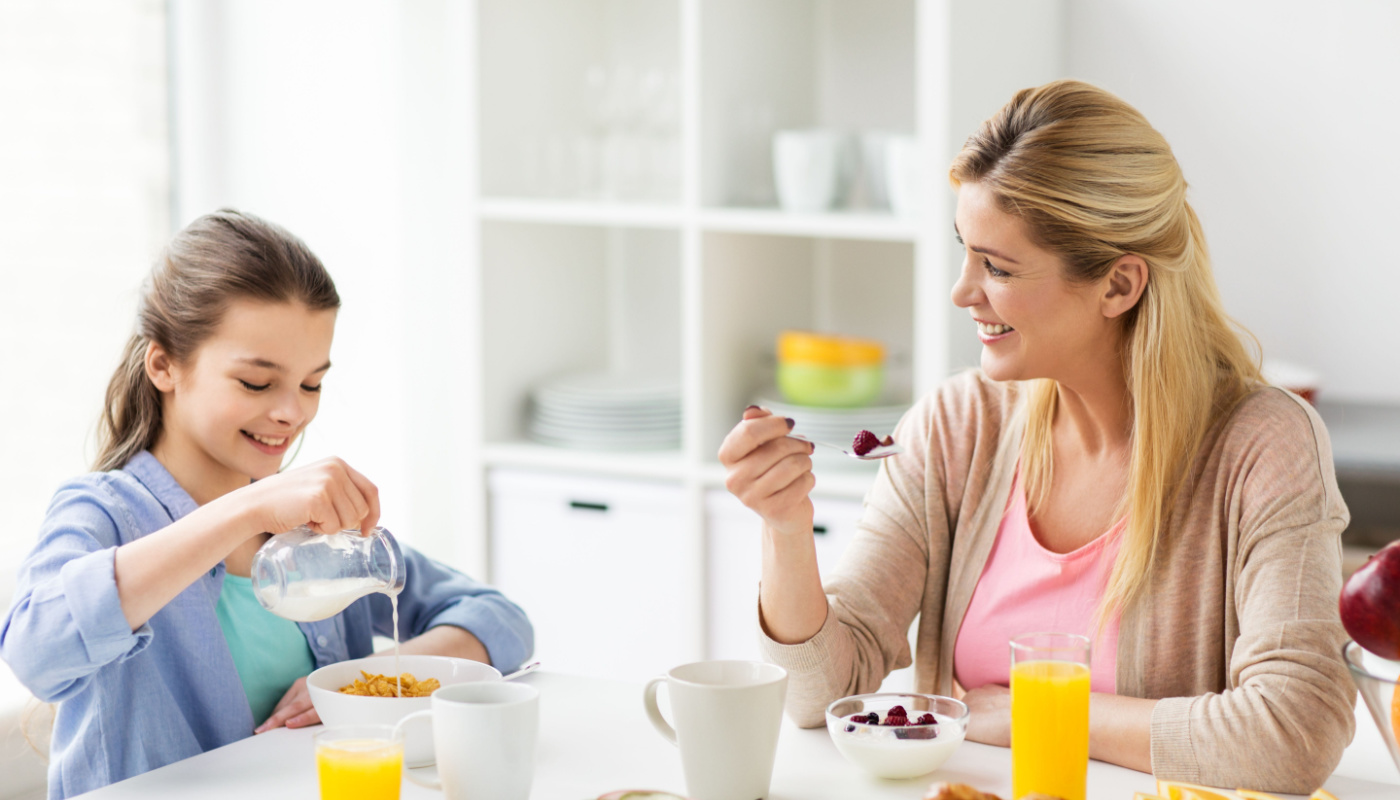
<point>819,530</point>
<point>585,506</point>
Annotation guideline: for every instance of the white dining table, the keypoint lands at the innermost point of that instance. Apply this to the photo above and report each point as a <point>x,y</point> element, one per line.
<point>595,738</point>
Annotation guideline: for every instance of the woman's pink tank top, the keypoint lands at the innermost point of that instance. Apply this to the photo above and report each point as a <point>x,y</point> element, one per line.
<point>1027,589</point>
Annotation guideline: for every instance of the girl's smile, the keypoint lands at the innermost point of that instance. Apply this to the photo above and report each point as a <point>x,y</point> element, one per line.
<point>272,445</point>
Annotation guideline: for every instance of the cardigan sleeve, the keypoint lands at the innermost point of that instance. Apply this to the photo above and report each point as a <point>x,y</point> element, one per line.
<point>1287,711</point>
<point>897,558</point>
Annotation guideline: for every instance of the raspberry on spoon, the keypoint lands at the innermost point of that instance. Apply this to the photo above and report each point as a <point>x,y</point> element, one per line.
<point>864,442</point>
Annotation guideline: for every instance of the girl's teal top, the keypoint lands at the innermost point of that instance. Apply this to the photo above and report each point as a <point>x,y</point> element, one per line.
<point>270,652</point>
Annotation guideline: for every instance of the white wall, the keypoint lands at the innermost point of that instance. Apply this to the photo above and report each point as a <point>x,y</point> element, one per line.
<point>349,123</point>
<point>289,112</point>
<point>299,111</point>
<point>84,181</point>
<point>84,184</point>
<point>1284,117</point>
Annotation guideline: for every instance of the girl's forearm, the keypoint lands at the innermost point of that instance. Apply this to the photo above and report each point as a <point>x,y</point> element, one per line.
<point>792,606</point>
<point>1120,730</point>
<point>152,570</point>
<point>445,640</point>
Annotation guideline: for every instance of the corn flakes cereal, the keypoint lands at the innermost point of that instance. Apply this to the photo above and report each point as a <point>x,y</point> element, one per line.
<point>385,686</point>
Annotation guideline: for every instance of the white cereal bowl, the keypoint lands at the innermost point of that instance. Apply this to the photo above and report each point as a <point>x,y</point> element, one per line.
<point>335,708</point>
<point>897,752</point>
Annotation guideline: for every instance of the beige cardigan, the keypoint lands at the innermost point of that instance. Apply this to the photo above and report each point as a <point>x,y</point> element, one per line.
<point>1238,631</point>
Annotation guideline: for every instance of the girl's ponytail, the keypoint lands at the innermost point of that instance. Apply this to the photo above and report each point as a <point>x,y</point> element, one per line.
<point>131,416</point>
<point>217,259</point>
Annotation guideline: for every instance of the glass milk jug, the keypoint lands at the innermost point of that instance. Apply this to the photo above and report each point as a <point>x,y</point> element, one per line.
<point>307,576</point>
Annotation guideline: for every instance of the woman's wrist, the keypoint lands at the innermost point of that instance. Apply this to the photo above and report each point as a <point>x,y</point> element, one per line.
<point>788,534</point>
<point>1120,730</point>
<point>792,604</point>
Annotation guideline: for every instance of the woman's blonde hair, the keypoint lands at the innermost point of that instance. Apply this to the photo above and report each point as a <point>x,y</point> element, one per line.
<point>1093,181</point>
<point>219,258</point>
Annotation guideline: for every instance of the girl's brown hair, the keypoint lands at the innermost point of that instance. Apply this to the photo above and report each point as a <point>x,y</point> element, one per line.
<point>217,259</point>
<point>1092,181</point>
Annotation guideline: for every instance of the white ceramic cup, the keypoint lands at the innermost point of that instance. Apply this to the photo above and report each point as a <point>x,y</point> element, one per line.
<point>727,716</point>
<point>484,735</point>
<point>809,168</point>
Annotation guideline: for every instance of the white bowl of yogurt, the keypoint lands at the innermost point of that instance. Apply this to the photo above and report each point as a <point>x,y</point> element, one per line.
<point>895,746</point>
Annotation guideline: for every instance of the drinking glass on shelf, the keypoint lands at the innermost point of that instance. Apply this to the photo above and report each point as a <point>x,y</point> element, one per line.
<point>626,146</point>
<point>748,155</point>
<point>1049,715</point>
<point>903,175</point>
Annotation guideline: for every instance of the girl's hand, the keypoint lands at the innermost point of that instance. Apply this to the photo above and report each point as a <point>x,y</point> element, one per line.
<point>769,472</point>
<point>327,497</point>
<point>294,710</point>
<point>991,715</point>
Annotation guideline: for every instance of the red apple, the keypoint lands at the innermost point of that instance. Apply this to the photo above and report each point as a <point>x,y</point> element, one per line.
<point>1370,603</point>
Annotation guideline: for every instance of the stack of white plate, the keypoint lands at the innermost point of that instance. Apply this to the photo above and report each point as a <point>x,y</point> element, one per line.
<point>607,411</point>
<point>837,426</point>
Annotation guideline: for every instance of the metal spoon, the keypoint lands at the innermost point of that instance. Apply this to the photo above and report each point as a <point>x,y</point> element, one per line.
<point>883,451</point>
<point>530,667</point>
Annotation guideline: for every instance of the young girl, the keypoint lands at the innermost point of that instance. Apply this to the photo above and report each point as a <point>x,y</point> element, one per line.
<point>135,612</point>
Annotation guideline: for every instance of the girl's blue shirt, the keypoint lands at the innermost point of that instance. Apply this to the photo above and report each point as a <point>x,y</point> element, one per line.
<point>131,701</point>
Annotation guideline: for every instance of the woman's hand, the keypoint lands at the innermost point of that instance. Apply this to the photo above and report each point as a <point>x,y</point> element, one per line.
<point>990,722</point>
<point>294,710</point>
<point>772,475</point>
<point>327,497</point>
<point>769,472</point>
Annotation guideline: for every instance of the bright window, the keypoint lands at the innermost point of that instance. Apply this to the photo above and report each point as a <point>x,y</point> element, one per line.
<point>84,208</point>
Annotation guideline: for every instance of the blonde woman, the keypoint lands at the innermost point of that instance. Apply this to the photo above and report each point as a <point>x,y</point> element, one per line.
<point>1116,469</point>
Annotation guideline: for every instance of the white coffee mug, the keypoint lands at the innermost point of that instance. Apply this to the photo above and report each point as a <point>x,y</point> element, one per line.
<point>727,716</point>
<point>484,734</point>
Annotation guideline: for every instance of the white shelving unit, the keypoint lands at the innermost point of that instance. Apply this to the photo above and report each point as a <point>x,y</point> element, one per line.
<point>618,212</point>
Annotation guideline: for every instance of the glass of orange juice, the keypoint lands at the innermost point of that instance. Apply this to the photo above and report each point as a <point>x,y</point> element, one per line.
<point>1049,715</point>
<point>359,762</point>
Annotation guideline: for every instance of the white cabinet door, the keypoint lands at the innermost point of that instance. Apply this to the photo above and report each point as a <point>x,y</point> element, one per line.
<point>593,562</point>
<point>732,533</point>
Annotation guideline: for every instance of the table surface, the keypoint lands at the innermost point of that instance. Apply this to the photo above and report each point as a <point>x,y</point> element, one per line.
<point>595,738</point>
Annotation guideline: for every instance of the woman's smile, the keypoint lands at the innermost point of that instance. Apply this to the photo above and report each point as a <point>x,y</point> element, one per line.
<point>989,332</point>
